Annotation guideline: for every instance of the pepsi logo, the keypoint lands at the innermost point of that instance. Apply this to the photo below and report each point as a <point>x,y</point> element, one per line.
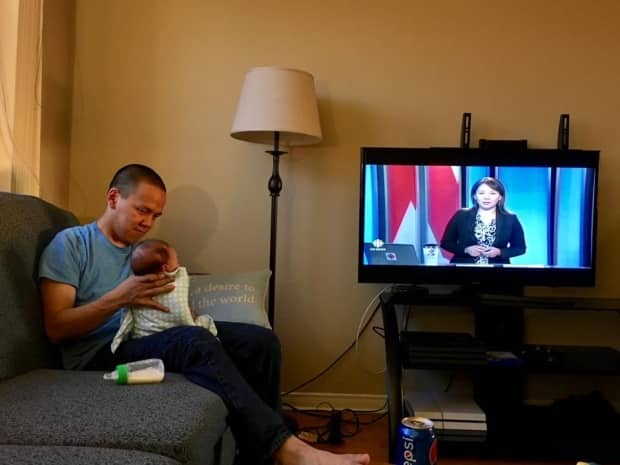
<point>432,453</point>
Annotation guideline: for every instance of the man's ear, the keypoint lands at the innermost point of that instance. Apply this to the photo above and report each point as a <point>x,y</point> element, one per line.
<point>112,197</point>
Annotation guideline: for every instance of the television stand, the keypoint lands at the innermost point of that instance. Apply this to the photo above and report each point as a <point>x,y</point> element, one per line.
<point>410,289</point>
<point>476,290</point>
<point>499,386</point>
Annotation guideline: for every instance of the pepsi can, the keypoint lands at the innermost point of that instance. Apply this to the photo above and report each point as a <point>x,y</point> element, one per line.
<point>416,442</point>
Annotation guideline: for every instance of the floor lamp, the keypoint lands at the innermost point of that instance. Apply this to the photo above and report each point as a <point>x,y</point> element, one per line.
<point>278,107</point>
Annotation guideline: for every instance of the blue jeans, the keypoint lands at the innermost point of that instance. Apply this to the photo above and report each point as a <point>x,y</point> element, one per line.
<point>242,366</point>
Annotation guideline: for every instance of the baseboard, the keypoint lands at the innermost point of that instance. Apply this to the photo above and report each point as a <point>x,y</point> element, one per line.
<point>339,401</point>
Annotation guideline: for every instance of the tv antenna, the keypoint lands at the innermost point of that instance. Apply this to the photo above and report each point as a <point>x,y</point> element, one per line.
<point>465,130</point>
<point>563,131</point>
<point>562,144</point>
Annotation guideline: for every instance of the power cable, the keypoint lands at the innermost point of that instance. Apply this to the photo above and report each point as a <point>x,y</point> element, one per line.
<point>360,329</point>
<point>331,365</point>
<point>348,349</point>
<point>339,424</point>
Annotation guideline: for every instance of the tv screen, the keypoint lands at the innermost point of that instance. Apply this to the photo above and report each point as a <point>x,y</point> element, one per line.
<point>477,216</point>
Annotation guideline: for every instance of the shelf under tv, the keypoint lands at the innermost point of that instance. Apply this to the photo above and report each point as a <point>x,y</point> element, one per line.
<point>499,381</point>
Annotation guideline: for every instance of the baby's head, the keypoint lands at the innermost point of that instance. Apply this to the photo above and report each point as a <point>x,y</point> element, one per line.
<point>153,256</point>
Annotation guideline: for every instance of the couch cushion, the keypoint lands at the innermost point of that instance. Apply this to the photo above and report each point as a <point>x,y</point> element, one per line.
<point>66,455</point>
<point>175,418</point>
<point>27,224</point>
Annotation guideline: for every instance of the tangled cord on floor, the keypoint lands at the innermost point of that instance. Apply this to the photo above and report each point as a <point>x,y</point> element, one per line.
<point>336,426</point>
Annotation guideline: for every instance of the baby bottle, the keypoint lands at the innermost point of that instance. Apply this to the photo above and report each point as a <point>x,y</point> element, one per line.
<point>139,372</point>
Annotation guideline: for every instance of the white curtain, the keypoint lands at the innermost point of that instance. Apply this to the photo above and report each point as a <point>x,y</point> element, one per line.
<point>20,91</point>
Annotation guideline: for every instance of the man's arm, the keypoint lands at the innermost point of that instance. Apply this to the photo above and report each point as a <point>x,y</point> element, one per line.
<point>65,321</point>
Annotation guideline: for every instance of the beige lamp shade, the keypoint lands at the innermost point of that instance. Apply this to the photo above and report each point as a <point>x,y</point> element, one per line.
<point>277,99</point>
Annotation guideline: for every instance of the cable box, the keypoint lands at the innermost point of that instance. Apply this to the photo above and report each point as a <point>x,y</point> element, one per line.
<point>441,340</point>
<point>441,348</point>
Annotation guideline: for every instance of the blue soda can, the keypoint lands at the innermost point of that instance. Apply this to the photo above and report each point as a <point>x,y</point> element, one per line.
<point>416,443</point>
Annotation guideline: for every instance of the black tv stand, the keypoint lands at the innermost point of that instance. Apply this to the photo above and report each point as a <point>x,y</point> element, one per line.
<point>498,327</point>
<point>477,289</point>
<point>410,290</point>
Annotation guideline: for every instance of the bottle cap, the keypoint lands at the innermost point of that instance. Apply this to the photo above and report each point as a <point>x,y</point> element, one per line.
<point>123,374</point>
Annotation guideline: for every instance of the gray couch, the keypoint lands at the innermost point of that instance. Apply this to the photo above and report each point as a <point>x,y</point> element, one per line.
<point>52,416</point>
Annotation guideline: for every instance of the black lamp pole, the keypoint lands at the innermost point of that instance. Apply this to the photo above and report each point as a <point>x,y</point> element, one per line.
<point>275,186</point>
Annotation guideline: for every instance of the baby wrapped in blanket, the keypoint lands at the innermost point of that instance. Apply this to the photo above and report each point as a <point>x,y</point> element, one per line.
<point>157,256</point>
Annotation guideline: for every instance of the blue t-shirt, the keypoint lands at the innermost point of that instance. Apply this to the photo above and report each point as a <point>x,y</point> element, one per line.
<point>84,258</point>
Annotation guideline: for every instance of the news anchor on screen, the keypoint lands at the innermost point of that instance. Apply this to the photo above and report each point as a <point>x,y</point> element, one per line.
<point>486,233</point>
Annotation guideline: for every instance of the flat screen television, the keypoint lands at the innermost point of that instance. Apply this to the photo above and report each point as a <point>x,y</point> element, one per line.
<point>418,215</point>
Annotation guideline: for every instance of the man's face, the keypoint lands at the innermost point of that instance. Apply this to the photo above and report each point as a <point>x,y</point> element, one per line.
<point>135,215</point>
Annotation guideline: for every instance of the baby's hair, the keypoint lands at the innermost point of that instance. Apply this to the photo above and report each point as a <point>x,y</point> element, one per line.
<point>149,256</point>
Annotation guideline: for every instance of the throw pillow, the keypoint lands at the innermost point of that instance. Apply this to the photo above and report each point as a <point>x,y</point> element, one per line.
<point>238,297</point>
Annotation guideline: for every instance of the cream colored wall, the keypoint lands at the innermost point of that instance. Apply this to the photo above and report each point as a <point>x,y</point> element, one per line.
<point>57,47</point>
<point>157,82</point>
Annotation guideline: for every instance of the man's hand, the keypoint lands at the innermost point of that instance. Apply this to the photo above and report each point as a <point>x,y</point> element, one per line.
<point>138,291</point>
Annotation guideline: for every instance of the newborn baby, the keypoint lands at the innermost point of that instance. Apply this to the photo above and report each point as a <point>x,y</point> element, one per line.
<point>157,256</point>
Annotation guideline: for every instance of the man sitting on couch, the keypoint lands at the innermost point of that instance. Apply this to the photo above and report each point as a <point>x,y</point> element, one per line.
<point>85,282</point>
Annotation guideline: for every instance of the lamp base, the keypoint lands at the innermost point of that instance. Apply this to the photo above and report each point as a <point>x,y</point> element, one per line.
<point>275,186</point>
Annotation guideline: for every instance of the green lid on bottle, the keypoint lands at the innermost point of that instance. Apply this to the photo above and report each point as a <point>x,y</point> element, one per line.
<point>123,374</point>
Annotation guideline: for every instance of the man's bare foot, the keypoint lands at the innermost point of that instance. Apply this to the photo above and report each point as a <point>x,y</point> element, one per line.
<point>296,452</point>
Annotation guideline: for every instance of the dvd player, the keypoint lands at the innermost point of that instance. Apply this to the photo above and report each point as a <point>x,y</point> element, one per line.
<point>455,416</point>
